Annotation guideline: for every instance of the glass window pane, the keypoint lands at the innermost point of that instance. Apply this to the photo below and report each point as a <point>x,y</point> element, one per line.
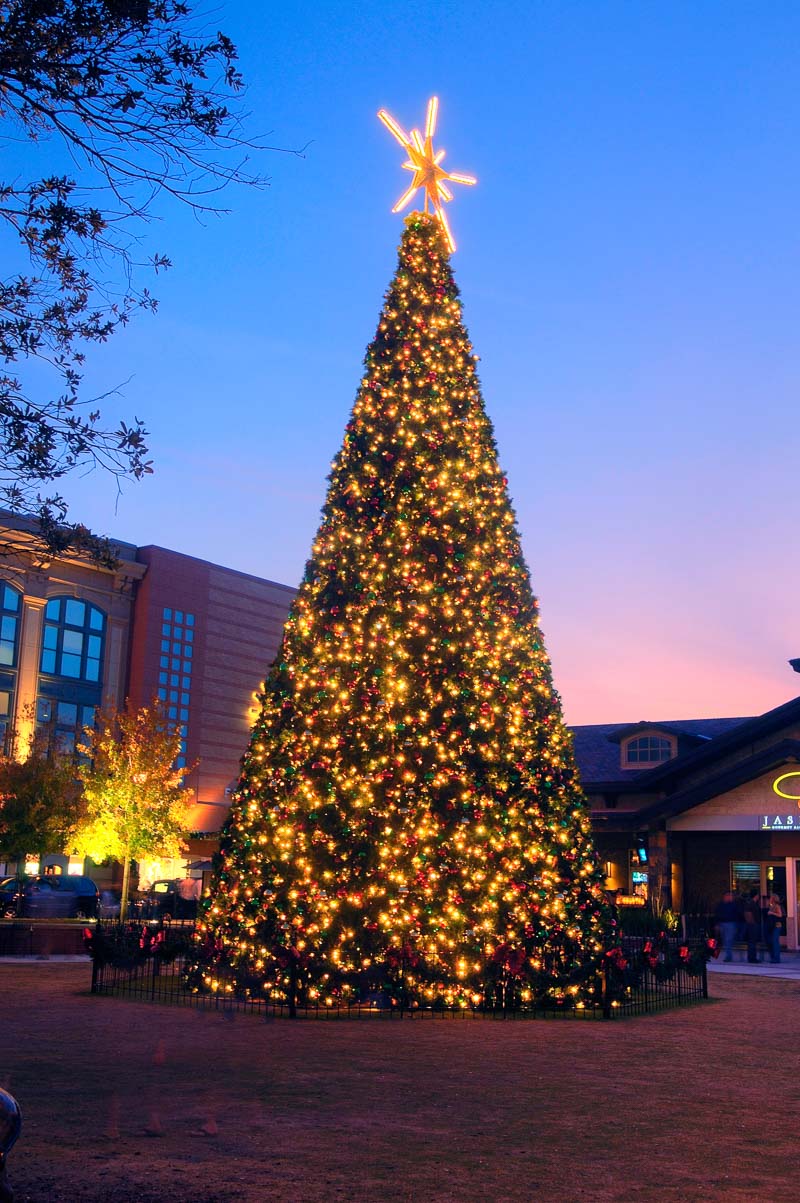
<point>48,661</point>
<point>166,612</point>
<point>67,713</point>
<point>183,715</point>
<point>96,618</point>
<point>162,693</point>
<point>8,628</point>
<point>65,742</point>
<point>53,609</point>
<point>184,699</point>
<point>172,712</point>
<point>6,654</point>
<point>75,612</point>
<point>173,695</point>
<point>188,652</point>
<point>44,709</point>
<point>73,641</point>
<point>189,620</point>
<point>87,716</point>
<point>175,666</point>
<point>163,662</point>
<point>177,633</point>
<point>173,679</point>
<point>70,666</point>
<point>5,702</point>
<point>189,636</point>
<point>10,599</point>
<point>186,682</point>
<point>50,636</point>
<point>92,670</point>
<point>94,645</point>
<point>166,629</point>
<point>162,678</point>
<point>176,649</point>
<point>165,645</point>
<point>179,615</point>
<point>187,666</point>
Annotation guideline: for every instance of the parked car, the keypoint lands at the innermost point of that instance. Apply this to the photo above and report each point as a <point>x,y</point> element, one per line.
<point>170,899</point>
<point>49,896</point>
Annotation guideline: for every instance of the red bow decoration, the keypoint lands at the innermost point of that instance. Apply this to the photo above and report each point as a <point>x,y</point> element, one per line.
<point>512,960</point>
<point>617,959</point>
<point>405,955</point>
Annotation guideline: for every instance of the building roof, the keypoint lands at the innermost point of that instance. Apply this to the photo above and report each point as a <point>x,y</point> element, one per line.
<point>597,748</point>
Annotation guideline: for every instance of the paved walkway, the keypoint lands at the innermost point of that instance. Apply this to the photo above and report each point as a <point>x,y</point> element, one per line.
<point>788,969</point>
<point>43,959</point>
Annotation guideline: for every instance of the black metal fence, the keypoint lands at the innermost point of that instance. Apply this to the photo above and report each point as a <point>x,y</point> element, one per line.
<point>639,975</point>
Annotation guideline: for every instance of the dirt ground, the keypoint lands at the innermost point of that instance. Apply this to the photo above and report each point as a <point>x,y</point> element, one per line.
<point>132,1101</point>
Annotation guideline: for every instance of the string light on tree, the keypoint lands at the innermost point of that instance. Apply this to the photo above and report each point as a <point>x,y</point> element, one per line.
<point>408,829</point>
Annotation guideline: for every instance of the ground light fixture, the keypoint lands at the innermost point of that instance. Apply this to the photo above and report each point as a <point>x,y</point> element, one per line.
<point>10,1128</point>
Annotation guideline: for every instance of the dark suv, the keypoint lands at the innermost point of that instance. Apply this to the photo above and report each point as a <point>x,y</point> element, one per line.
<point>52,896</point>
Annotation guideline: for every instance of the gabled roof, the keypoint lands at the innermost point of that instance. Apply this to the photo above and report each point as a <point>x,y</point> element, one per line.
<point>597,746</point>
<point>744,731</point>
<point>668,728</point>
<point>786,750</point>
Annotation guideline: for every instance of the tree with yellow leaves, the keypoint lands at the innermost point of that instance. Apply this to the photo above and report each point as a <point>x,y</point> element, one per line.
<point>135,805</point>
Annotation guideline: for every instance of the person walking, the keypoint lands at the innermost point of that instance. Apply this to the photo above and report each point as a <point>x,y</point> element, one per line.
<point>727,917</point>
<point>751,913</point>
<point>774,927</point>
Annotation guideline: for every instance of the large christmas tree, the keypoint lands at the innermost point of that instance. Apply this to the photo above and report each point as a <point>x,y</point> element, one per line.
<point>409,828</point>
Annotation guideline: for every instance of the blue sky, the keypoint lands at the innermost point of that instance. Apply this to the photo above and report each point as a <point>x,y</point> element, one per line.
<point>629,266</point>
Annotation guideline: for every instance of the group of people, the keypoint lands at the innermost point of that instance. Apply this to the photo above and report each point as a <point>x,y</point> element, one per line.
<point>759,917</point>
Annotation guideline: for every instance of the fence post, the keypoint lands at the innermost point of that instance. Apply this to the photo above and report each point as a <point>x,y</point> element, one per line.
<point>705,979</point>
<point>293,989</point>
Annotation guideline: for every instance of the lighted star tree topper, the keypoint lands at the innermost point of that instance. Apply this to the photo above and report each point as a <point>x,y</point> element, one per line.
<point>426,166</point>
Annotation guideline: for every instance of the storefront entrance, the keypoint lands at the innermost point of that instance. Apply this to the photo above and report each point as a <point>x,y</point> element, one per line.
<point>781,877</point>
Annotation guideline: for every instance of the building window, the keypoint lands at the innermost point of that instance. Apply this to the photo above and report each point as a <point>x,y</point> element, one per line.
<point>64,722</point>
<point>647,750</point>
<point>10,608</point>
<point>73,640</point>
<point>177,637</point>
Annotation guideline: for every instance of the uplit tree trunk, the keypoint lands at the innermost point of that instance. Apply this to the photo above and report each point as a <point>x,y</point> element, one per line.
<point>126,882</point>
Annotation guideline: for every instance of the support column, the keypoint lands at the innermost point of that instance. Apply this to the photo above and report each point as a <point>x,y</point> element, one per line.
<point>659,882</point>
<point>114,675</point>
<point>30,649</point>
<point>791,903</point>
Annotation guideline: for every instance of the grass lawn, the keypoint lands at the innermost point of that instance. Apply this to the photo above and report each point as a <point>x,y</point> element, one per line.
<point>131,1101</point>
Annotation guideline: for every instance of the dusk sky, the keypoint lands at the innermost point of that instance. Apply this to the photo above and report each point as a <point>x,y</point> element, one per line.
<point>630,270</point>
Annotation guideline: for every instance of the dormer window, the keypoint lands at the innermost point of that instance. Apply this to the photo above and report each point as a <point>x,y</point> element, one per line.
<point>644,751</point>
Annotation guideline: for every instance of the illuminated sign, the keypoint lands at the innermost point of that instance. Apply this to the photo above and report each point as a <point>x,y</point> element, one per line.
<point>785,777</point>
<point>638,875</point>
<point>630,900</point>
<point>772,822</point>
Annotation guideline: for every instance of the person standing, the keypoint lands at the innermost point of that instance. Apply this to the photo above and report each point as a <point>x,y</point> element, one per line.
<point>728,921</point>
<point>774,927</point>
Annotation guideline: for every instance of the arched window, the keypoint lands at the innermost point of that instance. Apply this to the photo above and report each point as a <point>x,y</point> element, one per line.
<point>648,749</point>
<point>73,640</point>
<point>10,611</point>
